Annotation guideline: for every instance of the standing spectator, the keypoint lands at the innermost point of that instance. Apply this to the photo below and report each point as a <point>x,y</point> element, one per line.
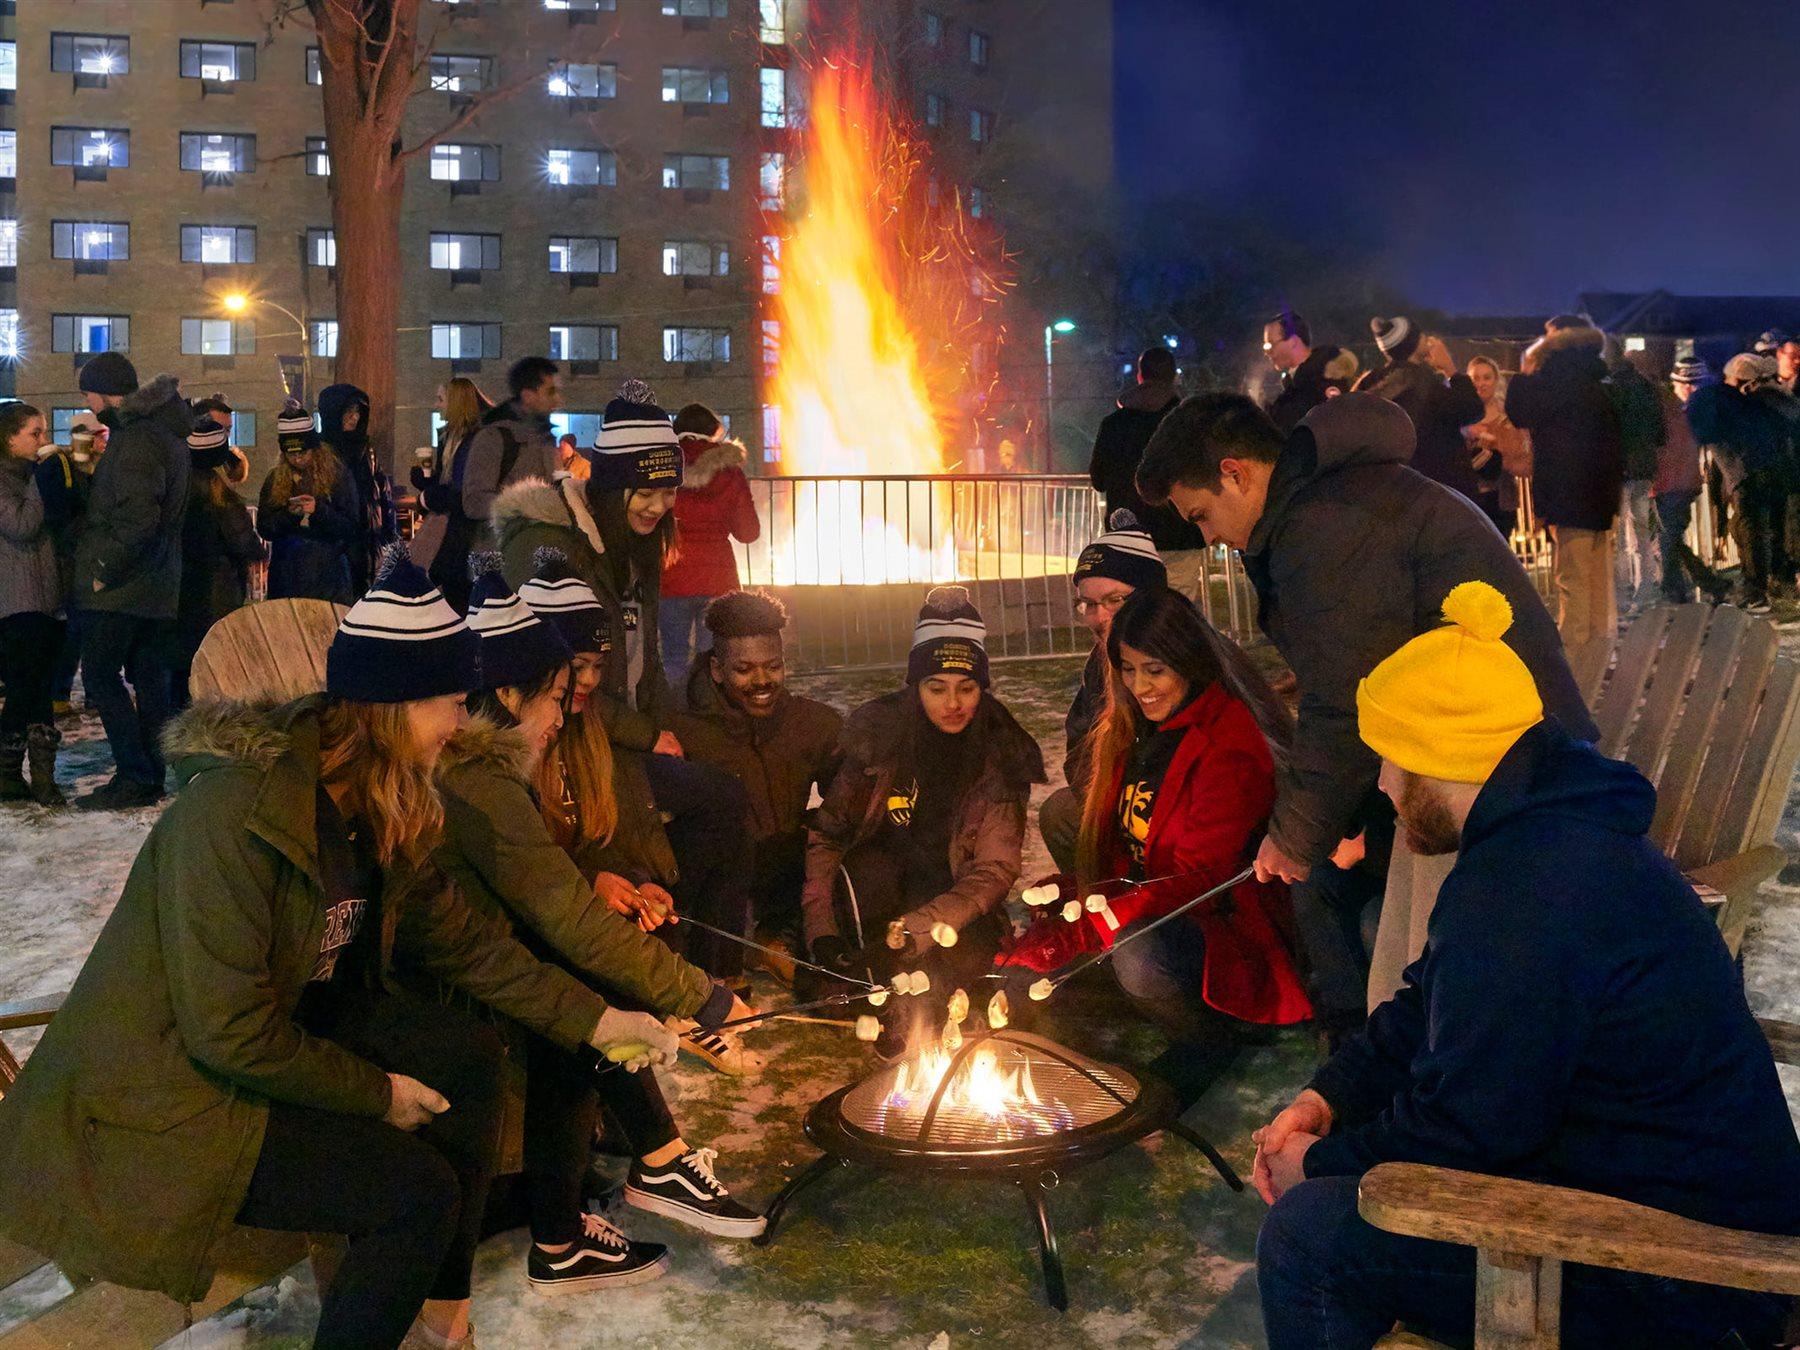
<point>307,512</point>
<point>1787,365</point>
<point>1496,444</point>
<point>218,545</point>
<point>1677,488</point>
<point>516,440</point>
<point>1747,441</point>
<point>1309,375</point>
<point>1642,431</point>
<point>1422,379</point>
<point>128,570</point>
<point>570,459</point>
<point>441,543</point>
<point>31,607</point>
<point>712,508</point>
<point>1118,448</point>
<point>63,481</point>
<point>344,430</point>
<point>215,407</point>
<point>1577,475</point>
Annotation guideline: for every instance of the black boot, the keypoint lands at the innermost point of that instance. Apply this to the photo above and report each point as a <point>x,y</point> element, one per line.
<point>13,787</point>
<point>41,742</point>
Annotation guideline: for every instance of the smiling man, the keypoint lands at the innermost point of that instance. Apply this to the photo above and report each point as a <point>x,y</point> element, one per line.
<point>741,717</point>
<point>1351,553</point>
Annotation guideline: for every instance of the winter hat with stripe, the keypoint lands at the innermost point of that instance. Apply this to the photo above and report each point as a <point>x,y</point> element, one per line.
<point>209,445</point>
<point>636,445</point>
<point>1396,337</point>
<point>567,603</point>
<point>294,428</point>
<point>517,647</point>
<point>949,638</point>
<point>1124,553</point>
<point>1691,370</point>
<point>401,641</point>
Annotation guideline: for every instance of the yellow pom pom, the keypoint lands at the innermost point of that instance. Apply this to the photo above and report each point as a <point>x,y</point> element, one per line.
<point>1480,608</point>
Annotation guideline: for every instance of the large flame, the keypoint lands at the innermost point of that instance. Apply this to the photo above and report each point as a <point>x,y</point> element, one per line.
<point>1005,1100</point>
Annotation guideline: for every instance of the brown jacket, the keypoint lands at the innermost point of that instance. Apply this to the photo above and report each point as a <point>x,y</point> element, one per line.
<point>985,844</point>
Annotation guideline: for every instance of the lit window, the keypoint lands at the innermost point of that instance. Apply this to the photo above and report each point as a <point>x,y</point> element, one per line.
<point>217,152</point>
<point>771,180</point>
<point>218,243</point>
<point>1634,344</point>
<point>313,74</point>
<point>9,153</point>
<point>567,167</point>
<point>696,344</point>
<point>581,253</point>
<point>934,29</point>
<point>582,5</point>
<point>465,163</point>
<point>771,420</point>
<point>981,125</point>
<point>243,427</point>
<point>584,82</point>
<point>208,337</point>
<point>773,16</point>
<point>980,49</point>
<point>709,172</point>
<point>9,337</point>
<point>465,252</point>
<point>771,264</point>
<point>464,341</point>
<point>771,348</point>
<point>682,259</point>
<point>695,9</point>
<point>934,110</point>
<point>977,201</point>
<point>321,247</point>
<point>583,426</point>
<point>90,241</point>
<point>461,74</point>
<point>695,84</point>
<point>93,54</point>
<point>220,62</point>
<point>583,342</point>
<point>324,337</point>
<point>89,333</point>
<point>318,161</point>
<point>9,65</point>
<point>9,243</point>
<point>90,147</point>
<point>774,96</point>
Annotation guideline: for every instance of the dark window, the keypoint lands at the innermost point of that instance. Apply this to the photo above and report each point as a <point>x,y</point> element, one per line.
<point>321,248</point>
<point>582,253</point>
<point>583,342</point>
<point>465,341</point>
<point>981,48</point>
<point>695,84</point>
<point>318,160</point>
<point>696,344</point>
<point>90,241</point>
<point>313,73</point>
<point>218,243</point>
<point>695,9</point>
<point>681,258</point>
<point>243,427</point>
<point>217,337</point>
<point>710,172</point>
<point>461,74</point>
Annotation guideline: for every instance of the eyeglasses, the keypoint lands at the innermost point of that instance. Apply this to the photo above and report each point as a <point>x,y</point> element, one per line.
<point>1109,603</point>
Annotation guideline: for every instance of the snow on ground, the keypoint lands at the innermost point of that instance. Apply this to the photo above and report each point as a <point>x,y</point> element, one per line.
<point>1159,1253</point>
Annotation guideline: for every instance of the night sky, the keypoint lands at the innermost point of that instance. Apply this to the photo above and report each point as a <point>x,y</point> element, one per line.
<point>1500,157</point>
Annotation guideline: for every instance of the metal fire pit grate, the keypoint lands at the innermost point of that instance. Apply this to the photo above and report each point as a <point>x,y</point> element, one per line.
<point>1007,1104</point>
<point>1008,1087</point>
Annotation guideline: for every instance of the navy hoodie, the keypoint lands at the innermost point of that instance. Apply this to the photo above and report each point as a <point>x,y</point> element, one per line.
<point>1574,1017</point>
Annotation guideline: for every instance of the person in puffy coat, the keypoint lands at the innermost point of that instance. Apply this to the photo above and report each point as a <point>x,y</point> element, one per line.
<point>712,508</point>
<point>218,546</point>
<point>32,626</point>
<point>308,513</point>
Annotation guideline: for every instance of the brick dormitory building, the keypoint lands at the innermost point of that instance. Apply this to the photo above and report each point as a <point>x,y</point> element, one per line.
<point>613,210</point>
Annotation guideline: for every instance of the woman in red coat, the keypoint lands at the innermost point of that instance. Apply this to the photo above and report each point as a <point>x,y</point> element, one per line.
<point>712,508</point>
<point>1182,780</point>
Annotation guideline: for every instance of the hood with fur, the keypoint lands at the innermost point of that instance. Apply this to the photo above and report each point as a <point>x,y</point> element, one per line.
<point>1568,354</point>
<point>215,732</point>
<point>533,501</point>
<point>154,400</point>
<point>486,745</point>
<point>704,461</point>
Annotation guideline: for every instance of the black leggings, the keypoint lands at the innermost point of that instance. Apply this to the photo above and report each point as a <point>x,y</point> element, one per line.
<point>30,645</point>
<point>563,1097</point>
<point>411,1203</point>
<point>712,850</point>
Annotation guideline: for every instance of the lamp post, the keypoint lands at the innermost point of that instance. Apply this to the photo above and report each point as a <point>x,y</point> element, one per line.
<point>236,302</point>
<point>1050,332</point>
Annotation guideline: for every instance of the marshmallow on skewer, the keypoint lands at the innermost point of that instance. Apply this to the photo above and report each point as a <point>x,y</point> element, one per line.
<point>943,934</point>
<point>896,935</point>
<point>1098,904</point>
<point>997,1010</point>
<point>1042,990</point>
<point>921,982</point>
<point>877,997</point>
<point>1071,911</point>
<point>959,1005</point>
<point>1040,895</point>
<point>901,983</point>
<point>953,1037</point>
<point>868,1028</point>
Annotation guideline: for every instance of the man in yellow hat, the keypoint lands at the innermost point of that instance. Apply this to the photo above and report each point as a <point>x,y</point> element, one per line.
<point>1574,1019</point>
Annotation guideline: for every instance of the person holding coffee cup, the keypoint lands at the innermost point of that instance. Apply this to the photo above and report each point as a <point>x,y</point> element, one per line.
<point>308,513</point>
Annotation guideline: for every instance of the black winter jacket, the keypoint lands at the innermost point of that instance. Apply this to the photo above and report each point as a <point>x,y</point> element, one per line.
<point>310,560</point>
<point>1574,1017</point>
<point>1352,559</point>
<point>1302,389</point>
<point>1577,459</point>
<point>128,554</point>
<point>1642,430</point>
<point>1119,448</point>
<point>1439,410</point>
<point>218,544</point>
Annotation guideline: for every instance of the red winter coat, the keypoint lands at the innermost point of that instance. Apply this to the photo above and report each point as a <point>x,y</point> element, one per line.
<point>1210,815</point>
<point>712,508</point>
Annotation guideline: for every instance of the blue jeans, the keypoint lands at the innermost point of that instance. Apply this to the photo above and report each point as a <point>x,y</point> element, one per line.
<point>678,622</point>
<point>1331,1281</point>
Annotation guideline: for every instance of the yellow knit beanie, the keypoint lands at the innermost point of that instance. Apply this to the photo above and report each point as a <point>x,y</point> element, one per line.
<point>1450,703</point>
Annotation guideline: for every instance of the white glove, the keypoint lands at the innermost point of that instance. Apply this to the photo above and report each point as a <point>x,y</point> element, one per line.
<point>634,1039</point>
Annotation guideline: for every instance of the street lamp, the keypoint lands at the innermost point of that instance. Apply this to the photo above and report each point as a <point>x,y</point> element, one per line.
<point>236,302</point>
<point>1050,331</point>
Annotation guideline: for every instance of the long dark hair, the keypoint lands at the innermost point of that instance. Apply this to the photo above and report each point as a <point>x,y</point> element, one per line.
<point>1164,625</point>
<point>648,553</point>
<point>13,417</point>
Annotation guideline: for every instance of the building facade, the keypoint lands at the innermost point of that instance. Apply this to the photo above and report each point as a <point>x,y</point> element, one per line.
<point>608,204</point>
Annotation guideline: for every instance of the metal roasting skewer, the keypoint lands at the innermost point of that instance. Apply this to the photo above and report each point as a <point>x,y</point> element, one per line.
<point>836,1001</point>
<point>1099,957</point>
<point>770,951</point>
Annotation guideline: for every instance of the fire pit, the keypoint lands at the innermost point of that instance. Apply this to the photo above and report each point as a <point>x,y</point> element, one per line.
<point>1007,1104</point>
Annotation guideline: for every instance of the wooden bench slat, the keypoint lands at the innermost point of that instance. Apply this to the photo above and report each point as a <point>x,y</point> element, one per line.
<point>1664,695</point>
<point>1524,1218</point>
<point>1618,702</point>
<point>1750,787</point>
<point>16,1262</point>
<point>1724,750</point>
<point>30,1012</point>
<point>1687,749</point>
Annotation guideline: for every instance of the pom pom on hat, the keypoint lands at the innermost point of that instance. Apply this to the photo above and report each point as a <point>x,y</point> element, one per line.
<point>517,647</point>
<point>559,595</point>
<point>949,638</point>
<point>1451,703</point>
<point>636,446</point>
<point>1125,553</point>
<point>1390,333</point>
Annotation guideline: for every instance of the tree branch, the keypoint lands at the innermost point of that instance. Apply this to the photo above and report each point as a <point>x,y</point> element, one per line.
<point>466,116</point>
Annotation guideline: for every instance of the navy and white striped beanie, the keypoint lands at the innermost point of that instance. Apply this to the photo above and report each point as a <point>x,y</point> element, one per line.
<point>401,641</point>
<point>635,446</point>
<point>566,602</point>
<point>949,638</point>
<point>517,647</point>
<point>1124,553</point>
<point>294,429</point>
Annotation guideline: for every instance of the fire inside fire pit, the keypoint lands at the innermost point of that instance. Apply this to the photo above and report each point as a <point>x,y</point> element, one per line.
<point>1008,1104</point>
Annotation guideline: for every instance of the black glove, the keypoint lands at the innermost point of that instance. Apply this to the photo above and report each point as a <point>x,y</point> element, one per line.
<point>419,478</point>
<point>439,498</point>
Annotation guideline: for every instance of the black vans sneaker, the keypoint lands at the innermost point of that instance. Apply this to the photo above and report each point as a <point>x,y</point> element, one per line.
<point>686,1191</point>
<point>603,1256</point>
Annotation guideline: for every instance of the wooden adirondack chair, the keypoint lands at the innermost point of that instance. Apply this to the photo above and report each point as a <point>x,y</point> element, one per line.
<point>1704,704</point>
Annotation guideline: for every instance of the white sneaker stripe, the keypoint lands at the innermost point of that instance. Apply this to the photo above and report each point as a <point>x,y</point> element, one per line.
<point>575,1256</point>
<point>680,1177</point>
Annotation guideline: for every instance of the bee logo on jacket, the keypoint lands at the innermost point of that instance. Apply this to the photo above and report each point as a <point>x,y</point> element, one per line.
<point>1137,803</point>
<point>900,804</point>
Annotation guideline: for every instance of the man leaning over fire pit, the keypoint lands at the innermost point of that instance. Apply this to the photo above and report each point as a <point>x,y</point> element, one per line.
<point>1574,1019</point>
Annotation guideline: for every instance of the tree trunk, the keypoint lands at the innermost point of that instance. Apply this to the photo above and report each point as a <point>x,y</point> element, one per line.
<point>367,222</point>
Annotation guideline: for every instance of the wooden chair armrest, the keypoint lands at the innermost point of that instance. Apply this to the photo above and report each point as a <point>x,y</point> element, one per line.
<point>30,1012</point>
<point>1747,871</point>
<point>1783,1038</point>
<point>1524,1218</point>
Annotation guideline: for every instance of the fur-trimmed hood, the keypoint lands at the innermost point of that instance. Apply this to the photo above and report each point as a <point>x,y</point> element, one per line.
<point>148,399</point>
<point>1568,353</point>
<point>872,737</point>
<point>214,732</point>
<point>532,501</point>
<point>486,745</point>
<point>704,461</point>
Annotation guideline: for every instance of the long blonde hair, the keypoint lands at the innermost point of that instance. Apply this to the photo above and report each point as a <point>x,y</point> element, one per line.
<point>321,475</point>
<point>463,407</point>
<point>368,748</point>
<point>580,761</point>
